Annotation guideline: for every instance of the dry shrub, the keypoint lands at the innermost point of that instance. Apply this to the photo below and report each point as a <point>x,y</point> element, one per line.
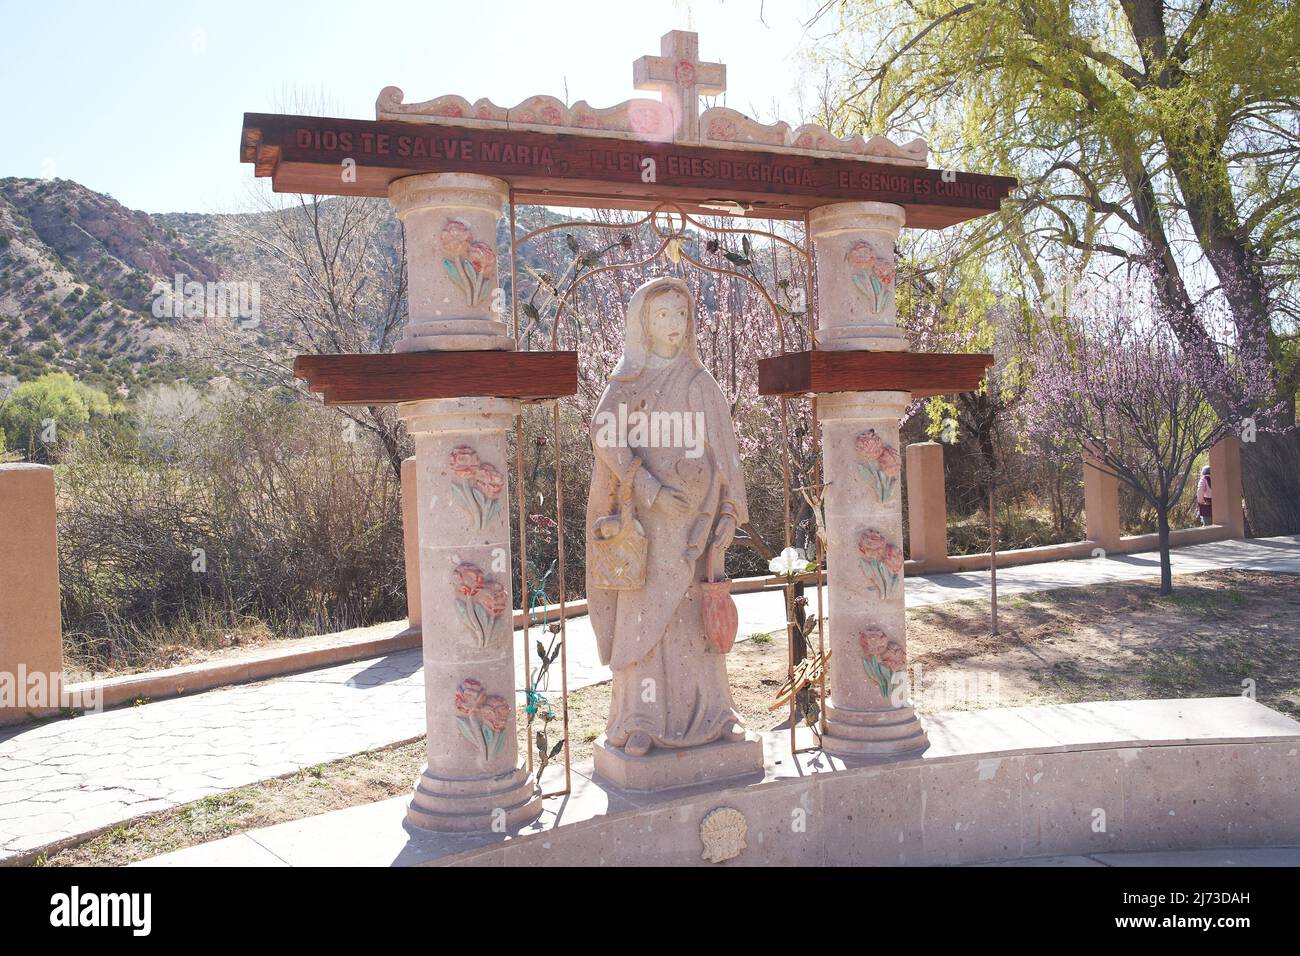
<point>256,512</point>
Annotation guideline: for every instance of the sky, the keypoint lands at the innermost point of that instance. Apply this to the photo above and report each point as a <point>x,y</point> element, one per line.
<point>144,100</point>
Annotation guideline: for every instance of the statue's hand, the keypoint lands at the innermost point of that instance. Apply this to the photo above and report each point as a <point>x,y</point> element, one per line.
<point>674,501</point>
<point>725,532</point>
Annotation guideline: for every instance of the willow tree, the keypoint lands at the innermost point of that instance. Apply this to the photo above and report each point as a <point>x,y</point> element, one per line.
<point>1151,135</point>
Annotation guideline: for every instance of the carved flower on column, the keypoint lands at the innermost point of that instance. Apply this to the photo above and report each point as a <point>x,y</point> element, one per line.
<point>878,463</point>
<point>481,718</point>
<point>480,603</point>
<point>881,657</point>
<point>872,276</point>
<point>470,263</point>
<point>881,562</point>
<point>479,489</point>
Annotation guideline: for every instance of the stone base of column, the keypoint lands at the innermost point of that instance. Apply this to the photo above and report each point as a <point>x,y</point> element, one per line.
<point>888,733</point>
<point>465,806</point>
<point>666,768</point>
<point>456,335</point>
<point>858,338</point>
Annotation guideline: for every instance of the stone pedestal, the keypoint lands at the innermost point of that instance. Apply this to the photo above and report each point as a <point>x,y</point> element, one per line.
<point>664,769</point>
<point>868,714</point>
<point>451,249</point>
<point>854,248</point>
<point>472,780</point>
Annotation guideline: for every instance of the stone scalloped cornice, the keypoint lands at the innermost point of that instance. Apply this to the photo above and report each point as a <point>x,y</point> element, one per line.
<point>647,120</point>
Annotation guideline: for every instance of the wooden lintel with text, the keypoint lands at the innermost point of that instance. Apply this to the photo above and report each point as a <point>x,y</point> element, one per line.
<point>309,154</point>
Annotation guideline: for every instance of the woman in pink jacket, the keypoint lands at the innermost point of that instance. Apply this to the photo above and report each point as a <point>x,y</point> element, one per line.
<point>1203,503</point>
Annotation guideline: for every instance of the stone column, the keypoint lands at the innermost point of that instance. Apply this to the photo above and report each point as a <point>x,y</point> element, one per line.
<point>472,780</point>
<point>854,249</point>
<point>1100,503</point>
<point>31,647</point>
<point>868,714</point>
<point>927,507</point>
<point>451,235</point>
<point>1225,485</point>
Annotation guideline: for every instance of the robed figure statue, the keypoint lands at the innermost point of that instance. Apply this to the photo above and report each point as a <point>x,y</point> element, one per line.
<point>667,495</point>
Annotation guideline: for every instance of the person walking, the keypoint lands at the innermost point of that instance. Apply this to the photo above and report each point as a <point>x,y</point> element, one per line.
<point>1203,502</point>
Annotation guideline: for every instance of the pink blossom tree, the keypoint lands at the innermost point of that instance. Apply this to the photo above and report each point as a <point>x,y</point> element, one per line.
<point>1112,373</point>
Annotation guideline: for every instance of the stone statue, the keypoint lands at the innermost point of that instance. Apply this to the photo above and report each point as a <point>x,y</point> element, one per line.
<point>667,495</point>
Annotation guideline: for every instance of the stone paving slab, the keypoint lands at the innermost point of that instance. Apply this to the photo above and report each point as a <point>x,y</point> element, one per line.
<point>69,778</point>
<point>377,834</point>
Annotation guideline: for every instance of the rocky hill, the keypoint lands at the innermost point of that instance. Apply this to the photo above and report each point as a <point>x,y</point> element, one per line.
<point>77,271</point>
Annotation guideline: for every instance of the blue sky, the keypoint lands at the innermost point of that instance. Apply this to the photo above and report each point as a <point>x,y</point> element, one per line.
<point>144,100</point>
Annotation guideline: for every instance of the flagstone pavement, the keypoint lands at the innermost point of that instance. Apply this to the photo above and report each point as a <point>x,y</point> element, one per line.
<point>65,779</point>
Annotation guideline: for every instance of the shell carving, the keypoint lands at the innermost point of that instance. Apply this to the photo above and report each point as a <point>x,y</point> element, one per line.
<point>722,831</point>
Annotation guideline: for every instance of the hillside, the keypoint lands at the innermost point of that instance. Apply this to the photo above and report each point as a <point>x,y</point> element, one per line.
<point>77,270</point>
<point>76,273</point>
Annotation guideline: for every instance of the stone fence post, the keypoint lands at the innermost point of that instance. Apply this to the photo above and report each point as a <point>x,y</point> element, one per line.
<point>31,637</point>
<point>1100,502</point>
<point>927,507</point>
<point>1225,485</point>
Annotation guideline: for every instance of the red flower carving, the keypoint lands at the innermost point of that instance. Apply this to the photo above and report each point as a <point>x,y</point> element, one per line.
<point>869,445</point>
<point>872,545</point>
<point>873,642</point>
<point>468,579</point>
<point>494,597</point>
<point>490,482</point>
<point>454,237</point>
<point>889,462</point>
<point>496,711</point>
<point>464,461</point>
<point>483,257</point>
<point>468,696</point>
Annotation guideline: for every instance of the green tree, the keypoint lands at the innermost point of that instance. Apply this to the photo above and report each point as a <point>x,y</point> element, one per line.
<point>37,412</point>
<point>1144,133</point>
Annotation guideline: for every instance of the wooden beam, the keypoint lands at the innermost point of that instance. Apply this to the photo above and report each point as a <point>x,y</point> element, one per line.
<point>921,373</point>
<point>305,154</point>
<point>382,379</point>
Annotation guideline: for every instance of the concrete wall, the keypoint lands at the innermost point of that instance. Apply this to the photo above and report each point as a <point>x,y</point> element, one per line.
<point>1101,515</point>
<point>961,809</point>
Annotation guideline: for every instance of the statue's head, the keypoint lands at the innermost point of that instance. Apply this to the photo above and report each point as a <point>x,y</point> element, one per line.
<point>667,319</point>
<point>660,322</point>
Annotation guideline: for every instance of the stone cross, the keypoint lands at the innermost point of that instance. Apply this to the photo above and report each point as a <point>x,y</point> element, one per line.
<point>681,80</point>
